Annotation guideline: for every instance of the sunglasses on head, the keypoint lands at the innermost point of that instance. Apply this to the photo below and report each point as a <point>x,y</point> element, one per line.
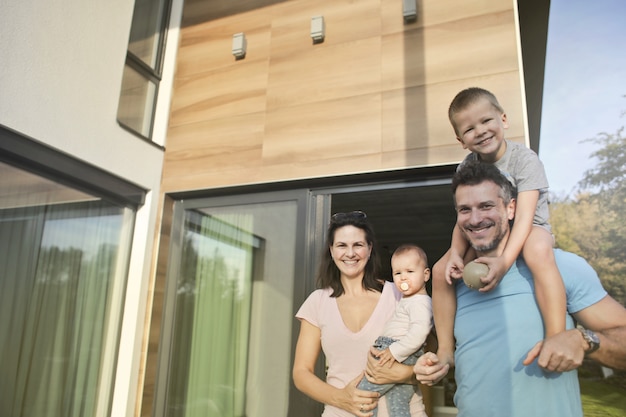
<point>353,215</point>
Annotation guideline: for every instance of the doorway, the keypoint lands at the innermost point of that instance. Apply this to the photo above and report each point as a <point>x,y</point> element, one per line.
<point>274,238</point>
<point>421,213</point>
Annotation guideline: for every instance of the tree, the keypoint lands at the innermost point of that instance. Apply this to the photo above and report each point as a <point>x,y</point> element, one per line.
<point>592,224</point>
<point>608,177</point>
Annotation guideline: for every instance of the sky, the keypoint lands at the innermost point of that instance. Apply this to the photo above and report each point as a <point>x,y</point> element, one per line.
<point>584,86</point>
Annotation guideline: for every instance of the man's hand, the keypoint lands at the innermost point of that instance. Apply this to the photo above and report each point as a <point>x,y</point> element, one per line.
<point>429,369</point>
<point>559,353</point>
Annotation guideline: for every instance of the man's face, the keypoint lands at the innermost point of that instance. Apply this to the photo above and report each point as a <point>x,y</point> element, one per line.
<point>483,217</point>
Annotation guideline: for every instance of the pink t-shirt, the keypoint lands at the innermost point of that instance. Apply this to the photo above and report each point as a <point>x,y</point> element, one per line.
<point>346,352</point>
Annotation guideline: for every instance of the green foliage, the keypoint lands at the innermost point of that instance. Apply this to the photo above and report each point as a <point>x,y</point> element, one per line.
<point>592,223</point>
<point>601,399</point>
<point>609,175</point>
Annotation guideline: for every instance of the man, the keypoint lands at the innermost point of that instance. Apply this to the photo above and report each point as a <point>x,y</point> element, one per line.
<point>501,369</point>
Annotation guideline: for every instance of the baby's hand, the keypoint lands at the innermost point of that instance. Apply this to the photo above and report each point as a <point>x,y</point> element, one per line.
<point>385,357</point>
<point>454,268</point>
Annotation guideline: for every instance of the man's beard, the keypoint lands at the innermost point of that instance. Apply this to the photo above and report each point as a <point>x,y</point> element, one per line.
<point>489,246</point>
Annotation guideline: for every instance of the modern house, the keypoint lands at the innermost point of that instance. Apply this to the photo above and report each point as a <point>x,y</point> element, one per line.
<point>168,168</point>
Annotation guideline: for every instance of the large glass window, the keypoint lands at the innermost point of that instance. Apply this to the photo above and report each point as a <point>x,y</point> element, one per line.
<point>142,72</point>
<point>63,266</point>
<point>229,303</point>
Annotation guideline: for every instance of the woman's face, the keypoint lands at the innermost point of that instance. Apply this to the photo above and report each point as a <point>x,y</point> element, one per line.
<point>350,251</point>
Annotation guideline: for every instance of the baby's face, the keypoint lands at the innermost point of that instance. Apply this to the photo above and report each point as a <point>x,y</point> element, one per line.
<point>409,273</point>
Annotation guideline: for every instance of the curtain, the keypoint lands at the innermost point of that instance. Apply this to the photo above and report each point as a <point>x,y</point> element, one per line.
<point>57,266</point>
<point>209,356</point>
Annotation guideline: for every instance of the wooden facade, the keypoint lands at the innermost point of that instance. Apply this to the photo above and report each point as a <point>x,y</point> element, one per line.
<point>372,97</point>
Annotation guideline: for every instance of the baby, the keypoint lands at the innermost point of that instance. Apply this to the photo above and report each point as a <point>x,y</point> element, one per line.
<point>405,333</point>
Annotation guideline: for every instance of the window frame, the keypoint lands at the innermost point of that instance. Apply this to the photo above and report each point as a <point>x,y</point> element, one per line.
<point>25,153</point>
<point>148,73</point>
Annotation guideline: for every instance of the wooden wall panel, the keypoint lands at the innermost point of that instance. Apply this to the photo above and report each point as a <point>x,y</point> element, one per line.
<point>201,148</point>
<point>219,94</point>
<point>417,117</point>
<point>207,47</point>
<point>329,129</point>
<point>321,76</point>
<point>445,11</point>
<point>475,47</point>
<point>373,96</point>
<point>346,21</point>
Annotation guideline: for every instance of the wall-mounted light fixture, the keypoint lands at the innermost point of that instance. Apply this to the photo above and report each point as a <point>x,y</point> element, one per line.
<point>409,10</point>
<point>239,45</point>
<point>318,29</point>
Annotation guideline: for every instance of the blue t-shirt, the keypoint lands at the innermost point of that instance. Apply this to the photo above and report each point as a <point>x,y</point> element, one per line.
<point>494,332</point>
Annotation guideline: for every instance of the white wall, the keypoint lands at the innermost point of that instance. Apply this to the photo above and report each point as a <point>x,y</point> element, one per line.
<point>60,77</point>
<point>60,80</point>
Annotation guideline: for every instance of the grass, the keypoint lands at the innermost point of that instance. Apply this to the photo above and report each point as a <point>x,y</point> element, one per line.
<point>602,399</point>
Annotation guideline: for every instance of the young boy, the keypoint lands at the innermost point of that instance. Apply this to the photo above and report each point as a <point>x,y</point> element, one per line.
<point>479,123</point>
<point>405,333</point>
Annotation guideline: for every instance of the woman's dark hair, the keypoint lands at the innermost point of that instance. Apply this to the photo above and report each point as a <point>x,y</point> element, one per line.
<point>328,275</point>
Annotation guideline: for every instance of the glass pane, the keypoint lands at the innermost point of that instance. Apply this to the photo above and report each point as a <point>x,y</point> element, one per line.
<point>137,99</point>
<point>231,344</point>
<point>146,34</point>
<point>62,274</point>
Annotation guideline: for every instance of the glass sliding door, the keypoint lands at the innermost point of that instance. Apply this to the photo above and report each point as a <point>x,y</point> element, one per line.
<point>238,268</point>
<point>63,265</point>
<point>229,308</point>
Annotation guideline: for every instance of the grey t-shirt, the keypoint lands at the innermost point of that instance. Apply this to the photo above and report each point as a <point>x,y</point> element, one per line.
<point>524,169</point>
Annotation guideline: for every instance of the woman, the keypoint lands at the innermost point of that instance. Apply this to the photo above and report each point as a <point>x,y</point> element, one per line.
<point>343,319</point>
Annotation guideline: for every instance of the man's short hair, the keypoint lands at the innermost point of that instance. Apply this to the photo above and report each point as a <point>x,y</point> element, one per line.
<point>476,172</point>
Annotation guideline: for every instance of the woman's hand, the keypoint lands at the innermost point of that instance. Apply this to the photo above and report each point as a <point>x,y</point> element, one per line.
<point>397,373</point>
<point>357,401</point>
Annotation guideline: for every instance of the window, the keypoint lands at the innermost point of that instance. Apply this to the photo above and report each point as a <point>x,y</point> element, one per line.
<point>65,240</point>
<point>230,294</point>
<point>64,258</point>
<point>142,71</point>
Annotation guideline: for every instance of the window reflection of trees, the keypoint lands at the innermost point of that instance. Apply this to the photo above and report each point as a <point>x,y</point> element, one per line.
<point>212,318</point>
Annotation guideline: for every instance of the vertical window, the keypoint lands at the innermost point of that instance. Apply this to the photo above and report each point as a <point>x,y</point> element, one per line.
<point>142,71</point>
<point>63,267</point>
<point>230,310</point>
